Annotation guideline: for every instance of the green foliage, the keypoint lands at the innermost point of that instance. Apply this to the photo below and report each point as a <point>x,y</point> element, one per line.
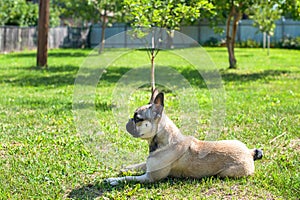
<point>78,10</point>
<point>290,8</point>
<point>248,44</point>
<point>54,15</point>
<point>165,14</point>
<point>290,42</point>
<point>265,13</point>
<point>84,11</point>
<point>224,7</point>
<point>18,12</point>
<point>23,13</point>
<point>113,9</point>
<point>212,42</point>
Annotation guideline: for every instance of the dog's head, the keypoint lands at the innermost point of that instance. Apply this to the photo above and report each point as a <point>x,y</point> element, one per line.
<point>144,123</point>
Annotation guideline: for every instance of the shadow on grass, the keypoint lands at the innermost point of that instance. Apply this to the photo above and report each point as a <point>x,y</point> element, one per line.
<point>254,76</point>
<point>63,68</point>
<point>195,79</point>
<point>66,75</point>
<point>39,80</point>
<point>55,54</point>
<point>60,76</point>
<point>98,190</point>
<point>90,191</point>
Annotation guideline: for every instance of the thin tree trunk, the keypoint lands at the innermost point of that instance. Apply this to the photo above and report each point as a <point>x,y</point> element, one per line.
<point>152,72</point>
<point>264,40</point>
<point>232,60</point>
<point>231,34</point>
<point>237,17</point>
<point>104,18</point>
<point>170,37</point>
<point>152,63</point>
<point>43,28</point>
<point>235,26</point>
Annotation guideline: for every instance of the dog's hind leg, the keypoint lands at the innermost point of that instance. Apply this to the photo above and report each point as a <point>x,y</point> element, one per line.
<point>238,170</point>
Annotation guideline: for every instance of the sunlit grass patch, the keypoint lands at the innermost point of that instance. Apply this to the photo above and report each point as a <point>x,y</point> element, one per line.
<point>42,154</point>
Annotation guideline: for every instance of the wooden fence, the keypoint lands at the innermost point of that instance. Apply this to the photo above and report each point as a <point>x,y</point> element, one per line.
<point>13,38</point>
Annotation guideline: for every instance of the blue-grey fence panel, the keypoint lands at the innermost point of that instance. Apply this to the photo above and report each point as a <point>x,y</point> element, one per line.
<point>14,38</point>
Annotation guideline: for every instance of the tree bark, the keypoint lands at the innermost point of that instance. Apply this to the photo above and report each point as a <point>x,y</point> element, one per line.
<point>231,34</point>
<point>170,38</point>
<point>152,72</point>
<point>43,28</point>
<point>104,18</point>
<point>264,40</point>
<point>152,63</point>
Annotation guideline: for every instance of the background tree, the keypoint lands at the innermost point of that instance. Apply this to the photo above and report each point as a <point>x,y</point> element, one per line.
<point>265,13</point>
<point>162,14</point>
<point>230,11</point>
<point>108,12</point>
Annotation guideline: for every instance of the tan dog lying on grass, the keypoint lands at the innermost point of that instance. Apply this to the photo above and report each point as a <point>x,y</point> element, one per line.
<point>173,154</point>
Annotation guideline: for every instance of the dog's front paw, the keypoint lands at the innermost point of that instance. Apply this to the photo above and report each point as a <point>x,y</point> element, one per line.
<point>112,181</point>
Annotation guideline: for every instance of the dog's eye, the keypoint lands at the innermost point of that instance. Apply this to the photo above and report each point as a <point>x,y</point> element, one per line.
<point>137,118</point>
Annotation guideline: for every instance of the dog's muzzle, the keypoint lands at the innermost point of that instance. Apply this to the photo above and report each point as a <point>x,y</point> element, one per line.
<point>131,128</point>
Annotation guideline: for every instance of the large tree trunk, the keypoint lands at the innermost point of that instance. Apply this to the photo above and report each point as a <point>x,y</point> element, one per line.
<point>43,28</point>
<point>231,34</point>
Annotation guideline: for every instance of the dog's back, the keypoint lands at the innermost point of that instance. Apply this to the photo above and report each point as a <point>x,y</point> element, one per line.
<point>224,158</point>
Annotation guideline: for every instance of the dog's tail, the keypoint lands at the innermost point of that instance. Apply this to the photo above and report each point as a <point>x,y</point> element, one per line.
<point>257,154</point>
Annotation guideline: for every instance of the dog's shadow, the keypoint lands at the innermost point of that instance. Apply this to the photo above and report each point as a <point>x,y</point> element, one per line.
<point>95,190</point>
<point>99,189</point>
<point>89,191</point>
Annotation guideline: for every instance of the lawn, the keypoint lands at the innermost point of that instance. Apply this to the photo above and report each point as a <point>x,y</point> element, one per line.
<point>43,154</point>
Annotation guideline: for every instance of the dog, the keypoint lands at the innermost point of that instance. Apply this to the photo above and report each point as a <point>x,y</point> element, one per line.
<point>172,154</point>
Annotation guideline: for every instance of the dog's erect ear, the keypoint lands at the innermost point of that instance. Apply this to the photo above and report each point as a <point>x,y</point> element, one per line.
<point>159,99</point>
<point>153,96</point>
<point>158,105</point>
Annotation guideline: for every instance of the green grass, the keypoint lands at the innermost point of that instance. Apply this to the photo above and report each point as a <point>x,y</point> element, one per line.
<point>43,156</point>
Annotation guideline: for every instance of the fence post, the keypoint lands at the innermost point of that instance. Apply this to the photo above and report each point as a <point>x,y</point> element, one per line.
<point>282,28</point>
<point>239,30</point>
<point>199,33</point>
<point>4,39</point>
<point>19,42</point>
<point>125,35</point>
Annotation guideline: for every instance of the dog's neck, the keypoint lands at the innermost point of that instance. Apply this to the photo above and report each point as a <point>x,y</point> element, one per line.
<point>167,133</point>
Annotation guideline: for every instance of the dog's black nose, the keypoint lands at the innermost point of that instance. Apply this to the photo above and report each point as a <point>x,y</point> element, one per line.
<point>130,127</point>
